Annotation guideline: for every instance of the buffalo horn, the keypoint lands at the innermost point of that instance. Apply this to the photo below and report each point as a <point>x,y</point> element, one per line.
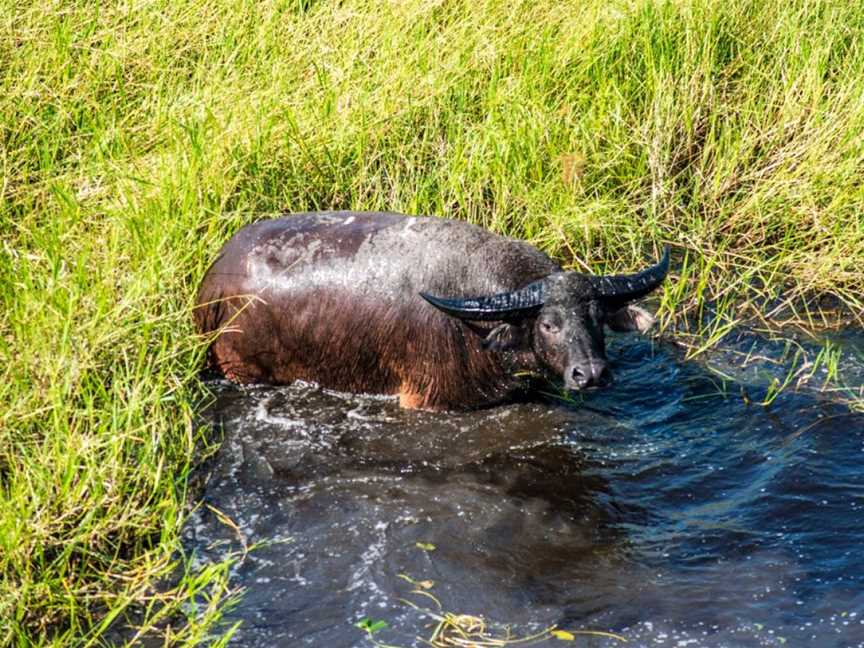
<point>620,289</point>
<point>503,306</point>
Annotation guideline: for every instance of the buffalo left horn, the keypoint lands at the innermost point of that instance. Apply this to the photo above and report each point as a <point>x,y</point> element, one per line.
<point>503,306</point>
<point>618,290</point>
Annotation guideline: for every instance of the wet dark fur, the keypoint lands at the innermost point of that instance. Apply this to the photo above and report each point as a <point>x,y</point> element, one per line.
<point>333,298</point>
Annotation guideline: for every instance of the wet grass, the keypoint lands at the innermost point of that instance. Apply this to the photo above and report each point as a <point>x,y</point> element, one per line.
<point>135,137</point>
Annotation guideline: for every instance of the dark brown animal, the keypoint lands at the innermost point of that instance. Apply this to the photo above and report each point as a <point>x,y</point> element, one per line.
<point>444,314</point>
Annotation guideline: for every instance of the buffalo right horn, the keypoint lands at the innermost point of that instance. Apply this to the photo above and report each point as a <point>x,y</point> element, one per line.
<point>622,289</point>
<point>503,306</point>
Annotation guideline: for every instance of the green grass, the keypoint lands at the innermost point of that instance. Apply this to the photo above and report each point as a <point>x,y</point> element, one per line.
<point>136,136</point>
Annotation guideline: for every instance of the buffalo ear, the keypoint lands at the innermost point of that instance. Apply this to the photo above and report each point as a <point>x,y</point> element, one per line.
<point>630,318</point>
<point>505,337</point>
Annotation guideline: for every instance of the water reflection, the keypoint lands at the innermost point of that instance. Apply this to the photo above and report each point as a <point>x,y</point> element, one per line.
<point>666,508</point>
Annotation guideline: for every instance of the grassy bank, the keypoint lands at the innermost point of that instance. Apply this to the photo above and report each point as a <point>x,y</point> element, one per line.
<point>135,137</point>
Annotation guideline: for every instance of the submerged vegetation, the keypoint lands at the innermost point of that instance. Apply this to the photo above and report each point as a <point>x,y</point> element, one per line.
<point>136,136</point>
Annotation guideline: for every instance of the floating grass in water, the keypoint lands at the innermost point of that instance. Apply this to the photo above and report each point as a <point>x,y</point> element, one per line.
<point>453,630</point>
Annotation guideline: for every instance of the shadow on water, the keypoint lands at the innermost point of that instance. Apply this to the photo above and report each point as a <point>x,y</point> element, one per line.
<point>668,508</point>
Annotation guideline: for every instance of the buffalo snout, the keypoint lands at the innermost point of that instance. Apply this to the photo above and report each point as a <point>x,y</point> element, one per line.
<point>587,375</point>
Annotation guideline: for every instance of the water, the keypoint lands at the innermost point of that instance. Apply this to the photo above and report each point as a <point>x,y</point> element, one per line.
<point>671,508</point>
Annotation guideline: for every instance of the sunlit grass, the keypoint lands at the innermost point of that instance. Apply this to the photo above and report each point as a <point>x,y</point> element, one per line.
<point>135,137</point>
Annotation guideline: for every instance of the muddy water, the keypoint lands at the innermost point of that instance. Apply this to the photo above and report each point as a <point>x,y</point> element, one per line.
<point>671,508</point>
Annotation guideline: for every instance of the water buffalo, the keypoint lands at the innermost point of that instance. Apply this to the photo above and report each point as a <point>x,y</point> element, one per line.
<point>442,313</point>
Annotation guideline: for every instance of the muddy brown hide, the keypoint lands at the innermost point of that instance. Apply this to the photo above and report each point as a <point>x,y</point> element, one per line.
<point>334,298</point>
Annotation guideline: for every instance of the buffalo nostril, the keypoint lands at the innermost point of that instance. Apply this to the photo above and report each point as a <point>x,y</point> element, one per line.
<point>579,377</point>
<point>599,374</point>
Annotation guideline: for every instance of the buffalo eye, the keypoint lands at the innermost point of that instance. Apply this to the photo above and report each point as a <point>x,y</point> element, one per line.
<point>548,326</point>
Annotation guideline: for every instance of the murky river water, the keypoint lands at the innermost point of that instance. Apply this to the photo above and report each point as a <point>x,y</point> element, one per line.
<point>671,508</point>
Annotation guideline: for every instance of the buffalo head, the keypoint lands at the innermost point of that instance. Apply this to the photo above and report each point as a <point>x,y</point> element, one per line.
<point>559,319</point>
